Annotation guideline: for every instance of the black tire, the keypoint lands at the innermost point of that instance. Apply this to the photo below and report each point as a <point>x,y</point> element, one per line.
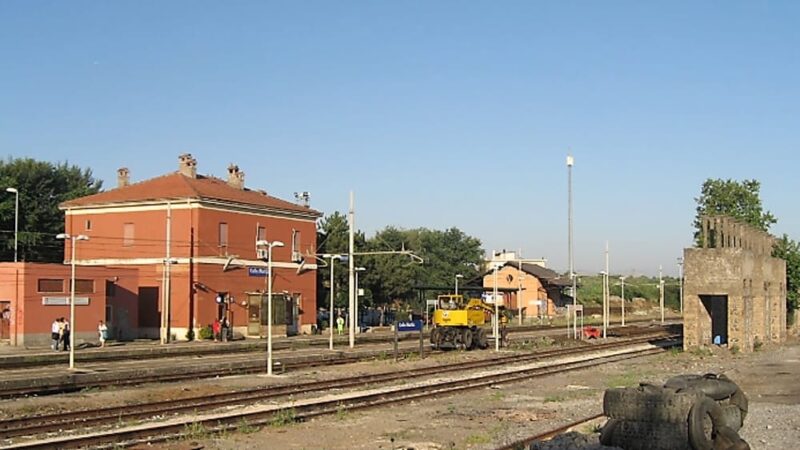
<point>436,337</point>
<point>482,339</point>
<point>634,435</point>
<point>607,432</point>
<point>705,419</point>
<point>740,400</point>
<point>709,384</point>
<point>732,417</point>
<point>466,338</point>
<point>729,439</point>
<point>650,404</point>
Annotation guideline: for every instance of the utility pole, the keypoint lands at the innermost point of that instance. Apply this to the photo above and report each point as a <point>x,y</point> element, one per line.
<point>496,327</point>
<point>519,292</point>
<point>680,283</point>
<point>167,275</point>
<point>351,273</point>
<point>574,290</point>
<point>606,295</point>
<point>622,283</point>
<point>661,292</point>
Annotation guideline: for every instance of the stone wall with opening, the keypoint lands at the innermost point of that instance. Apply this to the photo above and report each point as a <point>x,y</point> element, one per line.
<point>734,290</point>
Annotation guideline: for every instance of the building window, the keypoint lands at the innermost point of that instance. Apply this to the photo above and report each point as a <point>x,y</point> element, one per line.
<point>223,234</point>
<point>111,289</point>
<point>88,225</point>
<point>84,286</point>
<point>295,245</point>
<point>50,285</point>
<point>127,234</point>
<point>261,233</point>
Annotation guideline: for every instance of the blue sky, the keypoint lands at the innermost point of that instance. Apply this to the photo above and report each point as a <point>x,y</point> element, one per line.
<point>436,114</point>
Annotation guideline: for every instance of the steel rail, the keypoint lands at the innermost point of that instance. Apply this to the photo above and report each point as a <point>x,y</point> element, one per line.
<point>238,367</point>
<point>160,432</point>
<point>547,435</point>
<point>58,421</point>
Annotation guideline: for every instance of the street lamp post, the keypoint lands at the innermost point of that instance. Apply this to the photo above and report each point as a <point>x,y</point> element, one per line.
<point>496,327</point>
<point>16,218</point>
<point>357,269</point>
<point>622,283</point>
<point>661,293</point>
<point>330,313</point>
<point>605,300</point>
<point>81,237</point>
<point>457,277</point>
<point>574,290</point>
<point>680,283</point>
<point>269,246</point>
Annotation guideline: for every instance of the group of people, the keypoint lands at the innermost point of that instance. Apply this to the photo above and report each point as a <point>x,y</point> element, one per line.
<point>221,328</point>
<point>60,332</point>
<point>59,335</point>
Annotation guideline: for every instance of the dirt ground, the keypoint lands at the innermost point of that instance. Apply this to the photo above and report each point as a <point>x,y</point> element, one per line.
<point>505,413</point>
<point>480,419</point>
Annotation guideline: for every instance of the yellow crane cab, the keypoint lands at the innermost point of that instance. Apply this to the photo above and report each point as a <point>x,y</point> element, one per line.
<point>458,322</point>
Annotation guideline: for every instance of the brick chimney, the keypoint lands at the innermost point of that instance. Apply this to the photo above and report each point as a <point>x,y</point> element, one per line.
<point>235,177</point>
<point>187,165</point>
<point>123,177</point>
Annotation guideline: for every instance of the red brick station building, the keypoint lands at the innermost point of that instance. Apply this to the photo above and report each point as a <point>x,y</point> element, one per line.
<point>183,240</point>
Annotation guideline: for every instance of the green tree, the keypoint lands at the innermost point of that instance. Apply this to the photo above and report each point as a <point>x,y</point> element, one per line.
<point>738,199</point>
<point>445,253</point>
<point>333,238</point>
<point>42,187</point>
<point>789,251</point>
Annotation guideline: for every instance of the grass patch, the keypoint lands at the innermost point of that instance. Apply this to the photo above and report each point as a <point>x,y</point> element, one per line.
<point>282,418</point>
<point>341,411</point>
<point>245,427</point>
<point>702,352</point>
<point>554,399</point>
<point>195,430</point>
<point>626,379</point>
<point>476,439</point>
<point>497,396</point>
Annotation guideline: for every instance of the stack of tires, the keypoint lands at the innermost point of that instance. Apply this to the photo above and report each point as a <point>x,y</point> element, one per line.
<point>690,412</point>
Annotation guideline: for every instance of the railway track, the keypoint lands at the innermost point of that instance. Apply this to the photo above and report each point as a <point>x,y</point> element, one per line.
<point>66,423</point>
<point>145,353</point>
<point>524,444</point>
<point>244,365</point>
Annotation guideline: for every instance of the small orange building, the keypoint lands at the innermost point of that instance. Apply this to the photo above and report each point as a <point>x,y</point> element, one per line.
<point>33,295</point>
<point>192,240</point>
<point>540,287</point>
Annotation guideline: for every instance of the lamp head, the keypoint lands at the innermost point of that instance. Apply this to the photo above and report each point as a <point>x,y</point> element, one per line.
<point>62,236</point>
<point>12,190</point>
<point>276,244</point>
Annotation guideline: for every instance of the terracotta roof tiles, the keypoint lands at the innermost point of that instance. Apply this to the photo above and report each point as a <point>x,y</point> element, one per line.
<point>178,186</point>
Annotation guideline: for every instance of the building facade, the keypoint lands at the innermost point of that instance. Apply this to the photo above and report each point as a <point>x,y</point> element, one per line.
<point>538,289</point>
<point>734,290</point>
<point>33,295</point>
<point>193,242</point>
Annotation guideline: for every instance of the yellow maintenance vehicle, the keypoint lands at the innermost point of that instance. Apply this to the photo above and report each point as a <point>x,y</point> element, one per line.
<point>459,323</point>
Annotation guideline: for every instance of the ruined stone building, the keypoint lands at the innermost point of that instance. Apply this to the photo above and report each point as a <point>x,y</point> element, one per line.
<point>734,290</point>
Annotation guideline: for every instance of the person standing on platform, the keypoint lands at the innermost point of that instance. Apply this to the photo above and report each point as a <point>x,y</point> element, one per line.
<point>54,334</point>
<point>216,327</point>
<point>102,331</point>
<point>225,328</point>
<point>65,335</point>
<point>340,325</point>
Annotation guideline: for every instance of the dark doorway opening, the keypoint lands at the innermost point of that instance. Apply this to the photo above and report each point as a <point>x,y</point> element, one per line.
<point>717,307</point>
<point>149,310</point>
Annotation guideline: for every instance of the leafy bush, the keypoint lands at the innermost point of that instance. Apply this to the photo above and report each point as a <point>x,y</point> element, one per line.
<point>206,333</point>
